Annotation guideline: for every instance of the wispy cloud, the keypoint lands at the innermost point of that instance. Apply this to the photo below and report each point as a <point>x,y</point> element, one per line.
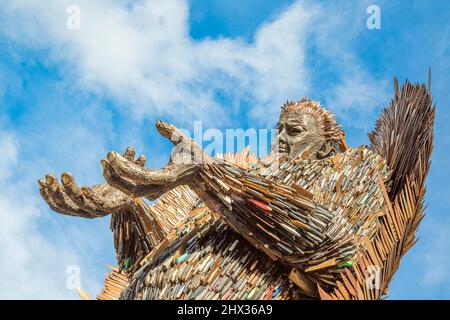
<point>9,146</point>
<point>20,245</point>
<point>141,55</point>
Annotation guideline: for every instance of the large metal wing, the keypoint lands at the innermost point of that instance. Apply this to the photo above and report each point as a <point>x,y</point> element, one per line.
<point>404,137</point>
<point>403,134</point>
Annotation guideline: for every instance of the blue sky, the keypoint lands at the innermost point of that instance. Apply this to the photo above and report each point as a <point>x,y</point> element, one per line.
<point>67,97</point>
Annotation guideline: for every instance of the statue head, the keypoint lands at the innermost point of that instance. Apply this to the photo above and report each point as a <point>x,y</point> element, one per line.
<point>307,130</point>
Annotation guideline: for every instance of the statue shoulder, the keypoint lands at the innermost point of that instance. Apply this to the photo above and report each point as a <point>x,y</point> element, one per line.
<point>350,180</point>
<point>361,155</point>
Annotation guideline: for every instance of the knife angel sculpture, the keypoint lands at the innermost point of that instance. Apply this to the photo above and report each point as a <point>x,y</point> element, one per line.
<point>315,220</point>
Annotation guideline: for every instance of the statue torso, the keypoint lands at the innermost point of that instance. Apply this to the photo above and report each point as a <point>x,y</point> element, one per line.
<point>204,259</point>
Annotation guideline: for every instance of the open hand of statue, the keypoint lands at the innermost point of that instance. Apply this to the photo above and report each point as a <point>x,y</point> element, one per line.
<point>185,161</point>
<point>88,202</point>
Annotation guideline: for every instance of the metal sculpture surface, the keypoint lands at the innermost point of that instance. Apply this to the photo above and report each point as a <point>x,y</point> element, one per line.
<point>316,219</point>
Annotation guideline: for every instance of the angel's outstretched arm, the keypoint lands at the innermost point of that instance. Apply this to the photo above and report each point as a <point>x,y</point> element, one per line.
<point>100,200</point>
<point>136,230</point>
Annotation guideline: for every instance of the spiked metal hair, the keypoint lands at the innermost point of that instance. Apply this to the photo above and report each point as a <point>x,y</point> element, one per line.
<point>326,120</point>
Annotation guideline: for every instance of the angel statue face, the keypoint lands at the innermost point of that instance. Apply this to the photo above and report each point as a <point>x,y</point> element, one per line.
<point>306,130</point>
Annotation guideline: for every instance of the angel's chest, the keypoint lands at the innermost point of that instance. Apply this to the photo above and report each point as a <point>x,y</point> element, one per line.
<point>348,182</point>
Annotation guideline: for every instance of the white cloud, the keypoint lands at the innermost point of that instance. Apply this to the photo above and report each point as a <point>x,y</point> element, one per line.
<point>142,55</point>
<point>31,265</point>
<point>35,253</point>
<point>357,97</point>
<point>8,145</point>
<point>22,249</point>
